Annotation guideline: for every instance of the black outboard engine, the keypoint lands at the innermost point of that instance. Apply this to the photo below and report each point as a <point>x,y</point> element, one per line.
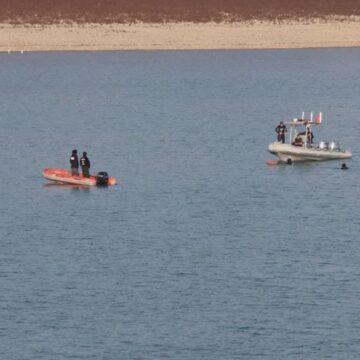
<point>102,178</point>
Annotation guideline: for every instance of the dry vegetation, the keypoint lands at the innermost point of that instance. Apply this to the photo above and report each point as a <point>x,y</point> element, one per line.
<point>129,11</point>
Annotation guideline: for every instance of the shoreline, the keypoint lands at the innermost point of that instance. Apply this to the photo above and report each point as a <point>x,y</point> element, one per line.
<point>180,36</point>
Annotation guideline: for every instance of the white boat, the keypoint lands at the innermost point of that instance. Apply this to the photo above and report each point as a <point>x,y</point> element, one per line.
<point>300,146</point>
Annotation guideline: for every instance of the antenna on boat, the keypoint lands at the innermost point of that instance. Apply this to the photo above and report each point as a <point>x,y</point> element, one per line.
<point>311,116</point>
<point>302,116</point>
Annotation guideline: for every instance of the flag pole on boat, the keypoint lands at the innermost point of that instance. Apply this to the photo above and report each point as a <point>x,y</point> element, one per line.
<point>318,118</point>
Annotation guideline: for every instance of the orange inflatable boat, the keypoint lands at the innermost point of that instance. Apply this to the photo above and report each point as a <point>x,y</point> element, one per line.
<point>63,176</point>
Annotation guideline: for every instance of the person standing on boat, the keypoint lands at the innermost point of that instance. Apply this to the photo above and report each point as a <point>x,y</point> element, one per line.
<point>281,130</point>
<point>85,165</point>
<point>310,136</point>
<point>74,163</point>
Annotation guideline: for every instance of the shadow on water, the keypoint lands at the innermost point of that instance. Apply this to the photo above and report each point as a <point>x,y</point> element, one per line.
<point>275,164</point>
<point>311,167</point>
<point>75,188</point>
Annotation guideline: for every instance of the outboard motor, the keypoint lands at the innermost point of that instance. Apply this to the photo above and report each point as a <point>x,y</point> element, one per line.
<point>102,178</point>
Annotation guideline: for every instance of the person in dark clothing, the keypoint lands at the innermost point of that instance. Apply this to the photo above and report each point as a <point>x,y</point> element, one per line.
<point>298,141</point>
<point>85,165</point>
<point>281,130</point>
<point>310,137</point>
<point>74,163</point>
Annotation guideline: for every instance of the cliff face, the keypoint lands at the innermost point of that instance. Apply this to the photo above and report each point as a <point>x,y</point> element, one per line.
<point>106,11</point>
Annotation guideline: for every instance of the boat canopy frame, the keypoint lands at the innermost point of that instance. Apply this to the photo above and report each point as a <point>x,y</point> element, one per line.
<point>294,123</point>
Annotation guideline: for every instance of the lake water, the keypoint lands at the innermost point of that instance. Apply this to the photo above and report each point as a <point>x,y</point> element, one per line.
<point>202,251</point>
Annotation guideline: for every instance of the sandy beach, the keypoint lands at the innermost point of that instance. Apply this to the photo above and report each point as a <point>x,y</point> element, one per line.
<point>178,36</point>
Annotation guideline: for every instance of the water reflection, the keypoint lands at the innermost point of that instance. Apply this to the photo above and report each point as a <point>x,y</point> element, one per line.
<point>74,188</point>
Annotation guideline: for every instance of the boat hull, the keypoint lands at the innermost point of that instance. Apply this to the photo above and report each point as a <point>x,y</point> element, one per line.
<point>286,152</point>
<point>63,176</point>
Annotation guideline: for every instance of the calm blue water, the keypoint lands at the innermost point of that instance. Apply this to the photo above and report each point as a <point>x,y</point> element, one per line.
<point>202,251</point>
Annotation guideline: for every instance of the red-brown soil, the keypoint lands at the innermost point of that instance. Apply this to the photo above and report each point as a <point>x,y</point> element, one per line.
<point>107,11</point>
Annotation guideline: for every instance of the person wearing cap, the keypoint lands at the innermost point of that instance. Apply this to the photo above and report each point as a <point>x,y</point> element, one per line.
<point>281,130</point>
<point>74,163</point>
<point>85,165</point>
